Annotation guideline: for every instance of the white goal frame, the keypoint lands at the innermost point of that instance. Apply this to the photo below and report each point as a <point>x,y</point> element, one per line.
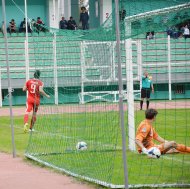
<point>101,95</point>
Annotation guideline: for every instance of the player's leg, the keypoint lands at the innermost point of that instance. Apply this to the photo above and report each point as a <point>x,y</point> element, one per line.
<point>141,103</point>
<point>26,115</point>
<point>166,148</point>
<point>147,103</point>
<point>33,120</point>
<point>182,148</point>
<point>173,147</point>
<point>169,147</point>
<point>26,122</point>
<point>147,98</point>
<point>143,95</point>
<point>172,150</point>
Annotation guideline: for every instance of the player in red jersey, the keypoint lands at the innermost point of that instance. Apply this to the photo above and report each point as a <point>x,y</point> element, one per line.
<point>35,88</point>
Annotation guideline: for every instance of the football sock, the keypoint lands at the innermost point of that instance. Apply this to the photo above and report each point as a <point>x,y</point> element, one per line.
<point>25,118</point>
<point>147,104</point>
<point>33,120</point>
<point>141,104</point>
<point>183,148</point>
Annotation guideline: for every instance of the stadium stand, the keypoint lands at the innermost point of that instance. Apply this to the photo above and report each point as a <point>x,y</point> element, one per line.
<point>68,56</point>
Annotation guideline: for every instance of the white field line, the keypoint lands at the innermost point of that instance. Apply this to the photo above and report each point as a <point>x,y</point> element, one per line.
<point>176,160</point>
<point>108,145</point>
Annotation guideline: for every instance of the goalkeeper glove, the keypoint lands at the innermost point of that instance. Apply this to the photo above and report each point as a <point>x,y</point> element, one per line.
<point>145,151</point>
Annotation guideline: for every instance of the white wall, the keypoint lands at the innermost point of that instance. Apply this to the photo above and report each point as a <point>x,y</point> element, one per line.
<point>53,20</point>
<point>105,10</point>
<point>67,12</point>
<point>57,9</point>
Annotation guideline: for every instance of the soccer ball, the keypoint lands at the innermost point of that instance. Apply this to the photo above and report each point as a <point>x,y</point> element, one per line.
<point>81,146</point>
<point>154,152</point>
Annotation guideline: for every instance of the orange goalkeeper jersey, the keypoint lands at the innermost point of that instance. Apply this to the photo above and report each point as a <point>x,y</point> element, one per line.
<point>146,133</point>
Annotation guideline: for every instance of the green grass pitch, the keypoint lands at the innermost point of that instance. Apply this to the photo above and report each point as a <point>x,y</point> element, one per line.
<point>56,136</point>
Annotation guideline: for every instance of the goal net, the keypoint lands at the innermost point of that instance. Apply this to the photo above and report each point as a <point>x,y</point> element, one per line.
<point>80,73</point>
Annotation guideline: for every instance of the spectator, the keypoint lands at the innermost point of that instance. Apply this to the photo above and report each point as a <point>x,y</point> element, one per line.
<point>173,32</point>
<point>33,25</point>
<point>39,21</point>
<point>186,32</point>
<point>150,35</point>
<point>23,26</point>
<point>122,14</point>
<point>72,24</point>
<point>84,17</point>
<point>40,25</point>
<point>12,26</point>
<point>170,32</point>
<point>63,23</point>
<point>3,27</point>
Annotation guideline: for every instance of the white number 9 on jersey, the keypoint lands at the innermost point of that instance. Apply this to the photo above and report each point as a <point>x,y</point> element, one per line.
<point>33,87</point>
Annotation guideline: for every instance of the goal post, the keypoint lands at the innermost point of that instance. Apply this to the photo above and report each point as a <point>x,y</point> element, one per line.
<point>55,69</point>
<point>1,97</point>
<point>130,95</point>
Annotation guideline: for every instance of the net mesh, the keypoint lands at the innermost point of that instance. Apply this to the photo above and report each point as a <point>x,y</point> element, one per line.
<point>80,72</point>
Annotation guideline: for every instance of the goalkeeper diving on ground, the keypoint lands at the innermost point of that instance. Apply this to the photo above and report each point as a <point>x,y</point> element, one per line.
<point>146,135</point>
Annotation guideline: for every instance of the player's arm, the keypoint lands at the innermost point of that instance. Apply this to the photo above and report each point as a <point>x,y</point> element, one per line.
<point>160,139</point>
<point>43,92</point>
<point>140,144</point>
<point>152,87</point>
<point>145,75</point>
<point>24,88</point>
<point>142,133</point>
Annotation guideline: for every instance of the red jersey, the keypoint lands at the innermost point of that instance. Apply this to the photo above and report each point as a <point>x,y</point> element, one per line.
<point>39,22</point>
<point>33,86</point>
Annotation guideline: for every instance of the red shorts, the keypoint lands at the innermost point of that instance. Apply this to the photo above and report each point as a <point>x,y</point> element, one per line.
<point>32,105</point>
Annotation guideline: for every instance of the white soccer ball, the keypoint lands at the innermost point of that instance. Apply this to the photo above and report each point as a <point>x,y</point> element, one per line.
<point>81,146</point>
<point>154,152</point>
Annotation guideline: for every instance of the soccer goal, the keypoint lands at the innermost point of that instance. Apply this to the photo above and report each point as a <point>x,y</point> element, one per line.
<point>78,130</point>
<point>106,69</point>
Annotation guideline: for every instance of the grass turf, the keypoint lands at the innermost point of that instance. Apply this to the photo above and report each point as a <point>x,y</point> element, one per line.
<point>56,136</point>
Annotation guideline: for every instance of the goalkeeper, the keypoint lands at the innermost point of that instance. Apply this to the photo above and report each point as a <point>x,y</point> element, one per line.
<point>35,88</point>
<point>146,134</point>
